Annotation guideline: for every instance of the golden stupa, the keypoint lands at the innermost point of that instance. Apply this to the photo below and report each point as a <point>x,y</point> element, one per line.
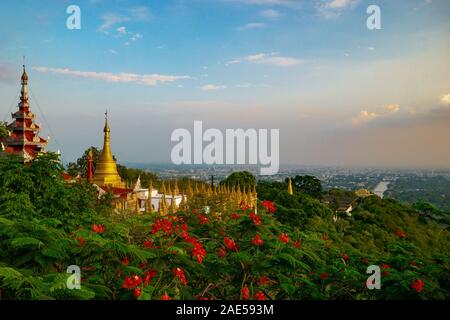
<point>106,173</point>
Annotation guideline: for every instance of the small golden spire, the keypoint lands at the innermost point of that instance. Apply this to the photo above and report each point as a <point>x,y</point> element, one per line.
<point>290,191</point>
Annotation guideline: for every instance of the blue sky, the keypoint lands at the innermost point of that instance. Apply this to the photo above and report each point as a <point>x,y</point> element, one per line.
<point>339,93</point>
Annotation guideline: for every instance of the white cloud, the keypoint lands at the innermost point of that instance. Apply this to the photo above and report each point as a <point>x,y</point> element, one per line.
<point>270,14</point>
<point>122,30</point>
<point>109,20</point>
<point>211,87</point>
<point>136,36</point>
<point>368,116</point>
<point>445,99</point>
<point>122,77</point>
<point>333,8</point>
<point>253,25</point>
<point>273,59</point>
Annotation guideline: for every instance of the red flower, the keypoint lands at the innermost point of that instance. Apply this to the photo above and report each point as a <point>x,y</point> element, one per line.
<point>284,238</point>
<point>418,285</point>
<point>162,224</point>
<point>131,282</point>
<point>148,244</point>
<point>260,296</point>
<point>137,292</point>
<point>325,237</point>
<point>98,228</point>
<point>125,261</point>
<point>413,263</point>
<point>81,241</point>
<point>385,266</point>
<point>221,253</point>
<point>245,292</point>
<point>166,297</point>
<point>255,218</point>
<point>263,280</point>
<point>198,252</point>
<point>235,216</point>
<point>401,234</point>
<point>297,244</point>
<point>257,241</point>
<point>179,273</point>
<point>324,276</point>
<point>202,219</point>
<point>149,275</point>
<point>230,244</point>
<point>345,257</point>
<point>269,205</point>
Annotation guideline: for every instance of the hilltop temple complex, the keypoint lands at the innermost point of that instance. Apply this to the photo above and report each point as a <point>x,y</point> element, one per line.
<point>24,141</point>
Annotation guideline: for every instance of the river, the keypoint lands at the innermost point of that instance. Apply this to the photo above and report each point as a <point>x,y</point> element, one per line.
<point>381,187</point>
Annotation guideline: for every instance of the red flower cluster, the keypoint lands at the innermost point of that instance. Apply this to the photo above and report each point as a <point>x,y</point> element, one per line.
<point>179,273</point>
<point>284,238</point>
<point>418,285</point>
<point>125,261</point>
<point>137,292</point>
<point>202,219</point>
<point>325,237</point>
<point>221,253</point>
<point>401,234</point>
<point>198,251</point>
<point>245,292</point>
<point>131,282</point>
<point>260,296</point>
<point>297,244</point>
<point>148,244</point>
<point>100,228</point>
<point>263,280</point>
<point>162,224</point>
<point>235,216</point>
<point>257,241</point>
<point>345,257</point>
<point>385,266</point>
<point>269,205</point>
<point>166,297</point>
<point>255,218</point>
<point>149,275</point>
<point>230,244</point>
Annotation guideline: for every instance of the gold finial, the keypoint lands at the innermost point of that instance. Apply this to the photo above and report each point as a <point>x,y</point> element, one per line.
<point>106,129</point>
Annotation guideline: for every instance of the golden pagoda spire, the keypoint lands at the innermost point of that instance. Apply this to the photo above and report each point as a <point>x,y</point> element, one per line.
<point>173,204</point>
<point>24,89</point>
<point>290,191</point>
<point>163,187</point>
<point>106,173</point>
<point>176,190</point>
<point>163,206</point>
<point>189,191</point>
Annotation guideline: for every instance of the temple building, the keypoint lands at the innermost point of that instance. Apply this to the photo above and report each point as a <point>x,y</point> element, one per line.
<point>24,139</point>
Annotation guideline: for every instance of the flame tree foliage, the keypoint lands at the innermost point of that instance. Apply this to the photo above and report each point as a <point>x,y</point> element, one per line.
<point>291,249</point>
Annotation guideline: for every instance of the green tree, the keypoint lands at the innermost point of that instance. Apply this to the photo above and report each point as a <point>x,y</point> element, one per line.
<point>308,185</point>
<point>244,179</point>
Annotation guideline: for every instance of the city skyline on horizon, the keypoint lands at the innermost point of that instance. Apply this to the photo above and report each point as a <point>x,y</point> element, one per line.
<point>340,94</point>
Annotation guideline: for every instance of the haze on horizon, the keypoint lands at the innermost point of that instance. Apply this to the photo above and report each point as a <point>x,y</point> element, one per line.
<point>340,94</point>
